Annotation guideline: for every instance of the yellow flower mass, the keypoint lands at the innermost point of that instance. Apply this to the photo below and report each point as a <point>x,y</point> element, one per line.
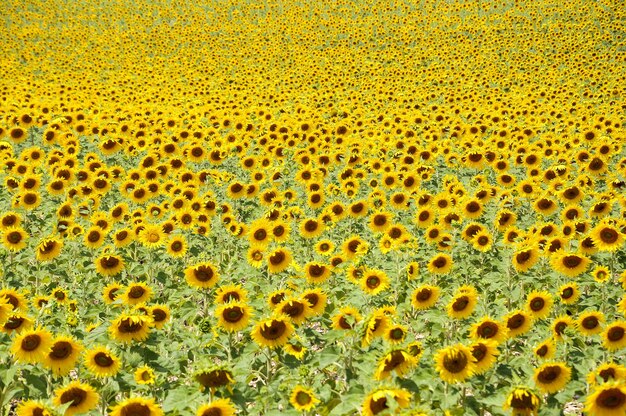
<point>333,207</point>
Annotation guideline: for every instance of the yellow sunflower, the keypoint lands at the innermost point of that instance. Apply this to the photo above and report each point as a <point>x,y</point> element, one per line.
<point>489,329</point>
<point>137,293</point>
<point>128,328</point>
<point>33,408</point>
<point>32,346</point>
<point>570,264</point>
<point>463,303</point>
<point>14,238</point>
<point>440,264</point>
<point>522,402</point>
<point>144,375</point>
<point>83,398</point>
<point>539,304</point>
<point>202,275</point>
<point>48,249</point>
<point>552,377</point>
<point>398,361</point>
<point>303,399</point>
<point>137,406</point>
<point>109,264</point>
<point>518,322</point>
<point>279,260</point>
<point>101,362</point>
<point>233,316</point>
<point>608,399</point>
<point>152,236</point>
<point>272,332</point>
<point>590,323</point>
<point>63,355</point>
<point>218,407</point>
<point>607,237</point>
<point>614,336</point>
<point>384,398</point>
<point>455,363</point>
<point>485,353</point>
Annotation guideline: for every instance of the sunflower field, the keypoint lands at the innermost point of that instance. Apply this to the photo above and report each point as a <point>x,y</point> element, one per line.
<point>334,207</point>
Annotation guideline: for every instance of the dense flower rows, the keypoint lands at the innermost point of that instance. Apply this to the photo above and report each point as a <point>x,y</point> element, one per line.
<point>326,207</point>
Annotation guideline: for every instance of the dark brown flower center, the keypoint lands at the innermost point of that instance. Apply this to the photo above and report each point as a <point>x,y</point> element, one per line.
<point>74,395</point>
<point>31,342</point>
<point>615,334</point>
<point>611,398</point>
<point>549,374</point>
<point>103,360</point>
<point>274,330</point>
<point>60,350</point>
<point>455,362</point>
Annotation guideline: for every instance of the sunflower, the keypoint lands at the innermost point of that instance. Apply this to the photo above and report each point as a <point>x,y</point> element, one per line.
<point>32,346</point>
<point>202,275</point>
<point>545,350</point>
<point>233,316</point>
<point>346,318</point>
<point>607,237</point>
<point>144,375</point>
<point>463,303</point>
<point>48,249</point>
<point>272,332</point>
<point>539,304</point>
<point>455,363</point>
<point>176,246</point>
<point>101,362</point>
<point>255,256</point>
<point>63,355</point>
<point>123,237</point>
<point>440,264</point>
<point>94,237</point>
<point>614,336</point>
<point>385,398</point>
<point>396,334</point>
<point>522,402</point>
<point>14,238</point>
<point>482,241</point>
<point>111,292</point>
<point>138,406</point>
<point>213,378</point>
<point>607,372</point>
<point>608,399</point>
<point>317,300</point>
<point>552,377</point>
<point>279,260</point>
<point>218,407</point>
<point>152,236</point>
<point>380,221</point>
<point>489,329</point>
<point>10,220</point>
<point>109,264</point>
<point>83,398</point>
<point>569,293</point>
<point>485,353</point>
<point>33,408</point>
<point>570,264</point>
<point>324,247</point>
<point>311,228</point>
<point>424,297</point>
<point>525,258</point>
<point>354,246</point>
<point>160,315</point>
<point>303,399</point>
<point>137,293</point>
<point>295,350</point>
<point>14,298</point>
<point>259,233</point>
<point>397,360</point>
<point>374,281</point>
<point>229,293</point>
<point>14,322</point>
<point>590,323</point>
<point>127,328</point>
<point>518,322</point>
<point>559,325</point>
<point>316,272</point>
<point>376,326</point>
